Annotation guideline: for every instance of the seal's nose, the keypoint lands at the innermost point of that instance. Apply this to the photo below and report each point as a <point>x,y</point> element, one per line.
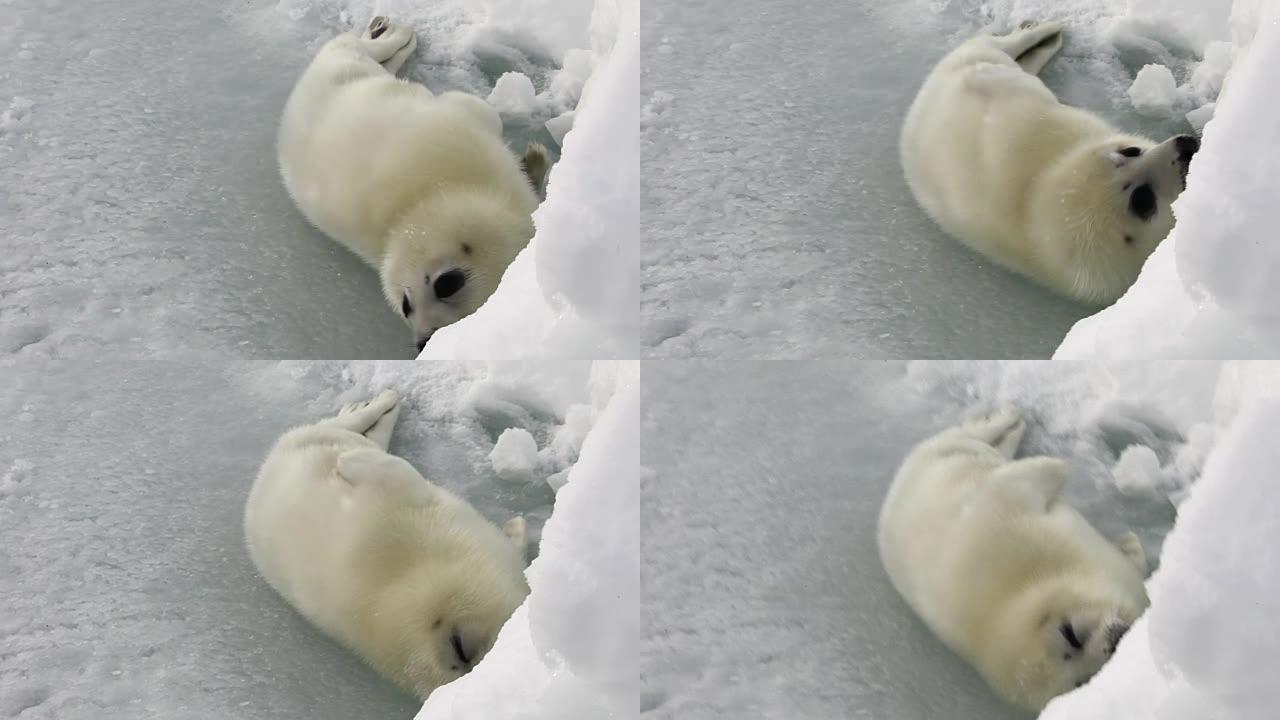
<point>422,341</point>
<point>1187,145</point>
<point>1114,633</point>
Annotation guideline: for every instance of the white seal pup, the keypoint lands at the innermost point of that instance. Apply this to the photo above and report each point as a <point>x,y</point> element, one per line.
<point>1001,569</point>
<point>420,186</point>
<point>1047,190</point>
<point>399,570</point>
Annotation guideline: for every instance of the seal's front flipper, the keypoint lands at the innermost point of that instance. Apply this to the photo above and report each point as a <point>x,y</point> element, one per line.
<point>1035,482</point>
<point>1131,546</point>
<point>374,471</point>
<point>517,531</point>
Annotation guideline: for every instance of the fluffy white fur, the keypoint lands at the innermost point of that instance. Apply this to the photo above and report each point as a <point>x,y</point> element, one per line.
<point>418,185</point>
<point>399,570</point>
<point>1001,569</point>
<point>1047,190</point>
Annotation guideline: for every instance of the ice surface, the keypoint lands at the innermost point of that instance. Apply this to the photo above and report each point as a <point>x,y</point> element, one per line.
<point>569,653</point>
<point>140,207</point>
<point>1204,650</point>
<point>515,455</point>
<point>574,291</point>
<point>764,595</point>
<point>1154,91</point>
<point>1208,290</point>
<point>787,230</point>
<point>126,589</point>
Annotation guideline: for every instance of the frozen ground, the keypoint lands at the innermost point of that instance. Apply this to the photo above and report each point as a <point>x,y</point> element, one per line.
<point>140,208</point>
<point>777,223</point>
<point>125,586</point>
<point>764,596</point>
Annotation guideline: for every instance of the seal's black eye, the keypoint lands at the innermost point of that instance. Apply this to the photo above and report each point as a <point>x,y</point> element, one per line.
<point>449,283</point>
<point>458,650</point>
<point>1128,239</point>
<point>1069,633</point>
<point>1142,202</point>
<point>1130,151</point>
<point>405,308</point>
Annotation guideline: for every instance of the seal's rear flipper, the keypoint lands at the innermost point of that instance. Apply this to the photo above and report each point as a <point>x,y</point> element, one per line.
<point>1032,45</point>
<point>361,417</point>
<point>1002,429</point>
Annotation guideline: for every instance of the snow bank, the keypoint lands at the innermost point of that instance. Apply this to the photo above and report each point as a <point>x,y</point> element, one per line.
<point>1207,292</point>
<point>570,652</point>
<point>1204,650</point>
<point>574,291</point>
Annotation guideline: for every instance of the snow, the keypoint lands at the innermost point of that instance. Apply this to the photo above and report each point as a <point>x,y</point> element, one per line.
<point>125,585</point>
<point>140,204</point>
<point>513,94</point>
<point>1207,290</point>
<point>574,291</point>
<point>785,229</point>
<point>1154,91</point>
<point>515,455</point>
<point>1137,470</point>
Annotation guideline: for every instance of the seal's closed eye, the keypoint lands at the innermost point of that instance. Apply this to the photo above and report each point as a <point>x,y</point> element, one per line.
<point>1069,633</point>
<point>458,650</point>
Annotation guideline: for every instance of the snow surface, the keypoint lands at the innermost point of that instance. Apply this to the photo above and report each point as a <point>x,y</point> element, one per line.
<point>1208,290</point>
<point>764,595</point>
<point>126,589</point>
<point>777,223</point>
<point>141,211</point>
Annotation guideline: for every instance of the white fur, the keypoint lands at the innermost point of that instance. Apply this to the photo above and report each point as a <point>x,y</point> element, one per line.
<point>416,184</point>
<point>987,553</point>
<point>376,556</point>
<point>1037,186</point>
